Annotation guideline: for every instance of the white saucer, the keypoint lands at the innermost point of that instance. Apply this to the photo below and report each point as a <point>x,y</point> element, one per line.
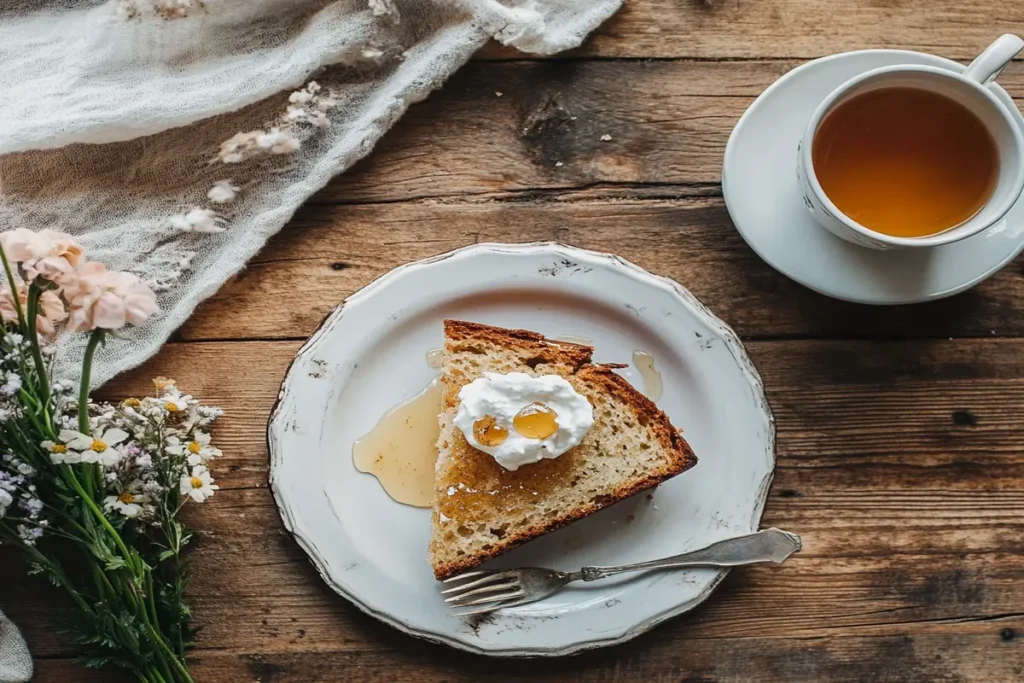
<point>759,180</point>
<point>370,354</point>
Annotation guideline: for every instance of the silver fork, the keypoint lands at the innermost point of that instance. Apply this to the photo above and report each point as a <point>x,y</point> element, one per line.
<point>493,590</point>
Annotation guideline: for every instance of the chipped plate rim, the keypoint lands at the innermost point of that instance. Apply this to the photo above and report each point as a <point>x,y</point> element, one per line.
<point>300,366</point>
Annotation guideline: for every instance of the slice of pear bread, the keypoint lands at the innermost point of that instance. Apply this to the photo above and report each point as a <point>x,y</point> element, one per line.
<point>481,509</point>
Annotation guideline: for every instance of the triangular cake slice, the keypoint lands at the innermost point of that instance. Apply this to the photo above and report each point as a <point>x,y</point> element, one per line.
<point>481,509</point>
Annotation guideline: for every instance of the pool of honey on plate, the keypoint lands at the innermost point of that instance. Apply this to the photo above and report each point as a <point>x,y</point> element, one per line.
<point>401,449</point>
<point>649,375</point>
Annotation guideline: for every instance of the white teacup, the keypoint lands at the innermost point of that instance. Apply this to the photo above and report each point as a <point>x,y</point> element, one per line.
<point>969,88</point>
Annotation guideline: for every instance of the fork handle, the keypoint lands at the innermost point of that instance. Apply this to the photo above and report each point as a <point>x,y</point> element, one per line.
<point>769,545</point>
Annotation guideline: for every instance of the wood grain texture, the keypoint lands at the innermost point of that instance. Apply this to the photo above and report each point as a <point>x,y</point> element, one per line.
<point>926,658</point>
<point>898,464</point>
<point>668,121</point>
<point>900,460</point>
<point>328,252</point>
<point>729,29</point>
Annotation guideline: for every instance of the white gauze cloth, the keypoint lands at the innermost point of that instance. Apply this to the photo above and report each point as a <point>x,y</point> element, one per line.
<point>118,121</point>
<point>15,662</point>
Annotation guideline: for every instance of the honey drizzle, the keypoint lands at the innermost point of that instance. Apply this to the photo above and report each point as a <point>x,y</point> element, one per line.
<point>644,364</point>
<point>401,449</point>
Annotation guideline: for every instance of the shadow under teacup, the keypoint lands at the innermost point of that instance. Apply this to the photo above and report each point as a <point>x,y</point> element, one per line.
<point>967,90</point>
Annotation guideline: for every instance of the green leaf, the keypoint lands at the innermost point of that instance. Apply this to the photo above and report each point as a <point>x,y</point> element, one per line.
<point>114,563</point>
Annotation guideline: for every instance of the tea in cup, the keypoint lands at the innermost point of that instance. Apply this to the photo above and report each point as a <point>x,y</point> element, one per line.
<point>914,156</point>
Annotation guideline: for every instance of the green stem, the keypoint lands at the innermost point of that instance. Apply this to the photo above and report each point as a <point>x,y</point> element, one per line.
<point>83,395</point>
<point>152,602</point>
<point>155,677</point>
<point>91,504</point>
<point>42,381</point>
<point>14,288</point>
<point>162,671</point>
<point>179,666</point>
<point>32,416</point>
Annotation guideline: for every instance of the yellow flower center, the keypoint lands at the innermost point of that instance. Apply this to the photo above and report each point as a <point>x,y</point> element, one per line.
<point>59,448</point>
<point>196,482</point>
<point>127,498</point>
<point>131,403</point>
<point>171,407</point>
<point>194,447</point>
<point>98,446</point>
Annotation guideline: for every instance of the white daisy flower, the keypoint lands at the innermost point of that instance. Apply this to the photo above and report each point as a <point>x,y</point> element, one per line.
<point>199,450</point>
<point>131,502</point>
<point>174,403</point>
<point>96,448</point>
<point>199,486</point>
<point>59,453</point>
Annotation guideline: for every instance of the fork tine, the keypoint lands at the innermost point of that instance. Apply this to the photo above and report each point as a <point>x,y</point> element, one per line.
<point>518,593</point>
<point>489,588</point>
<point>487,577</point>
<point>460,577</point>
<point>492,608</point>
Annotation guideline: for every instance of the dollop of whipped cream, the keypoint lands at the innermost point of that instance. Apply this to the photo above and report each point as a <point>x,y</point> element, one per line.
<point>502,396</point>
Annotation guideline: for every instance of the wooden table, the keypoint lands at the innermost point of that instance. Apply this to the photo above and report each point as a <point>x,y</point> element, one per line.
<point>900,455</point>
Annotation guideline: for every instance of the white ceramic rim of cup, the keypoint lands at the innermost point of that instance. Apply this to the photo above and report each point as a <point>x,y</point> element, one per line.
<point>951,234</point>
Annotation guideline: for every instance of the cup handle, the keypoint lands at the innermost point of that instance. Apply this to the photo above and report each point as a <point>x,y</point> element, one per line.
<point>994,59</point>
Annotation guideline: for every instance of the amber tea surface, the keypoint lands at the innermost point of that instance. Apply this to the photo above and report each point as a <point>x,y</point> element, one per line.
<point>905,162</point>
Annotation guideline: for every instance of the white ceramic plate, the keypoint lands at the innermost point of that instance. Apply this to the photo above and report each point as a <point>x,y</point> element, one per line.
<point>370,354</point>
<point>763,196</point>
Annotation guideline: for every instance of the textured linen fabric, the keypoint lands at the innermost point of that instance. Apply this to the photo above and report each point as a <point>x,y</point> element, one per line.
<point>15,661</point>
<point>112,116</point>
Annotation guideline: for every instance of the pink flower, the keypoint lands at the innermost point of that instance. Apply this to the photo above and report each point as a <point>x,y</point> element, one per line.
<point>8,313</point>
<point>48,254</point>
<point>108,299</point>
<point>51,309</point>
<point>23,244</point>
<point>51,312</point>
<point>56,269</point>
<point>65,246</point>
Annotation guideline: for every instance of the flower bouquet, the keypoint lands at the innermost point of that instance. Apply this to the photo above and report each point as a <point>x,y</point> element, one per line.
<point>91,492</point>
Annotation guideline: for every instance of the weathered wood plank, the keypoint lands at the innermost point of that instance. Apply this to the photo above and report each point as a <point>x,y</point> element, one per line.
<point>794,28</point>
<point>910,657</point>
<point>668,121</point>
<point>254,591</point>
<point>329,252</point>
<point>909,503</point>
